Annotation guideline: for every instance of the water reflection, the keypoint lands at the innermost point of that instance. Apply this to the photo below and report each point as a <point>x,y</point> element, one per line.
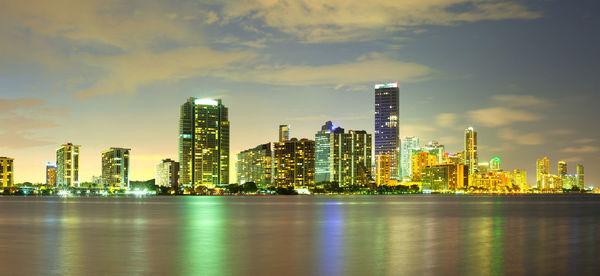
<point>299,235</point>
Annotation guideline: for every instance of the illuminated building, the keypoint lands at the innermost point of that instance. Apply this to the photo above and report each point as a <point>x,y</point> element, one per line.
<point>419,162</point>
<point>519,178</point>
<point>167,174</point>
<point>471,157</point>
<point>562,169</point>
<point>446,176</point>
<point>203,143</point>
<point>579,176</point>
<point>456,158</point>
<point>542,170</point>
<point>382,170</point>
<point>483,168</point>
<point>434,147</point>
<point>6,171</point>
<point>553,182</point>
<point>495,164</point>
<point>284,133</point>
<point>569,181</point>
<point>115,168</point>
<point>67,165</point>
<point>294,163</point>
<point>387,141</point>
<point>408,144</point>
<point>342,157</point>
<point>50,174</point>
<point>255,165</point>
<point>496,181</point>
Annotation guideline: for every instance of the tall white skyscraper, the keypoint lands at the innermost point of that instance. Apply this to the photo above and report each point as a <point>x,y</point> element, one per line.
<point>407,144</point>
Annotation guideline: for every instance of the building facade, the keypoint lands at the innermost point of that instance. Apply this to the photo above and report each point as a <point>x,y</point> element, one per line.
<point>166,173</point>
<point>382,170</point>
<point>284,133</point>
<point>323,154</point>
<point>67,165</point>
<point>444,177</point>
<point>50,174</point>
<point>6,172</point>
<point>420,161</point>
<point>471,156</point>
<point>542,172</point>
<point>294,163</point>
<point>115,168</point>
<point>203,143</point>
<point>408,144</point>
<point>256,165</point>
<point>579,177</point>
<point>387,111</point>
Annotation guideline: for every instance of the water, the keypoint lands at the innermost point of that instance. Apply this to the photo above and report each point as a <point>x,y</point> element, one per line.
<point>300,235</point>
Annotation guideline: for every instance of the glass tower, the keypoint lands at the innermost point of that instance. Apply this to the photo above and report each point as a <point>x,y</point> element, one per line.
<point>323,162</point>
<point>387,140</point>
<point>408,144</point>
<point>203,143</point>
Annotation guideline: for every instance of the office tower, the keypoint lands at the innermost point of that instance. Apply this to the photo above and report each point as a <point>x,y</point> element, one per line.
<point>419,161</point>
<point>6,172</point>
<point>446,176</point>
<point>579,176</point>
<point>408,144</point>
<point>50,174</point>
<point>495,164</point>
<point>382,170</point>
<point>203,143</point>
<point>284,133</point>
<point>471,156</point>
<point>519,178</point>
<point>294,163</point>
<point>387,112</point>
<point>344,158</point>
<point>115,168</point>
<point>167,174</point>
<point>323,154</point>
<point>67,165</point>
<point>562,169</point>
<point>542,171</point>
<point>255,165</point>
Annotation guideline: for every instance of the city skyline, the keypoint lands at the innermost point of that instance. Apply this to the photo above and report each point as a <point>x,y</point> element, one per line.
<point>528,91</point>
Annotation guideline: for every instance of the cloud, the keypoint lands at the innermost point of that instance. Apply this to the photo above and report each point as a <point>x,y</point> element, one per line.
<point>21,119</point>
<point>561,131</point>
<point>501,116</point>
<point>573,159</point>
<point>585,140</point>
<point>365,69</point>
<point>520,138</point>
<point>581,149</point>
<point>446,120</point>
<point>351,20</point>
<point>520,100</point>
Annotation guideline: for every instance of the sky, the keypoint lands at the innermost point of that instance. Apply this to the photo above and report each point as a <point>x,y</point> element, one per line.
<point>104,74</point>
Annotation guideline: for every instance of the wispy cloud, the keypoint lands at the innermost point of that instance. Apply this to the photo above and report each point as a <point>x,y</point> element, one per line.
<point>22,118</point>
<point>581,149</point>
<point>520,138</point>
<point>501,116</point>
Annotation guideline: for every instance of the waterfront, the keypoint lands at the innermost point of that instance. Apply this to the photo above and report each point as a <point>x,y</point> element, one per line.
<point>300,235</point>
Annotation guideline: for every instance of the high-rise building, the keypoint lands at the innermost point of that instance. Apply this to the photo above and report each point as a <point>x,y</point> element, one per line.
<point>387,135</point>
<point>67,165</point>
<point>445,176</point>
<point>542,171</point>
<point>50,174</point>
<point>579,177</point>
<point>203,143</point>
<point>519,178</point>
<point>284,133</point>
<point>344,158</point>
<point>408,144</point>
<point>471,156</point>
<point>562,169</point>
<point>6,172</point>
<point>495,164</point>
<point>420,161</point>
<point>166,174</point>
<point>294,163</point>
<point>115,168</point>
<point>382,170</point>
<point>255,165</point>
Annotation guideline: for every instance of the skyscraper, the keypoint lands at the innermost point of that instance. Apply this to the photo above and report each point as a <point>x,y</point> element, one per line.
<point>50,174</point>
<point>420,161</point>
<point>284,133</point>
<point>255,165</point>
<point>294,163</point>
<point>115,168</point>
<point>495,164</point>
<point>382,167</point>
<point>203,143</point>
<point>387,112</point>
<point>323,162</point>
<point>579,176</point>
<point>519,178</point>
<point>6,172</point>
<point>562,169</point>
<point>67,165</point>
<point>542,172</point>
<point>408,144</point>
<point>471,156</point>
<point>167,173</point>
